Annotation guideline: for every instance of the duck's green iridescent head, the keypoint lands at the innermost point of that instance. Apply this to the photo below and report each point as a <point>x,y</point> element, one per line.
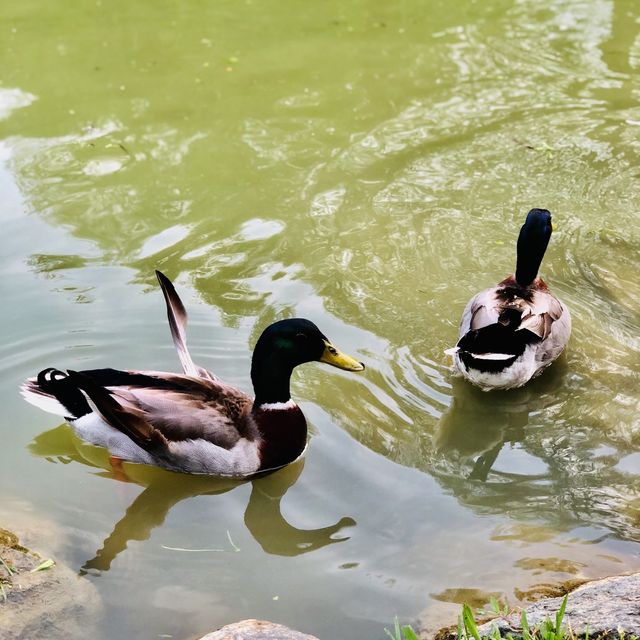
<point>285,345</point>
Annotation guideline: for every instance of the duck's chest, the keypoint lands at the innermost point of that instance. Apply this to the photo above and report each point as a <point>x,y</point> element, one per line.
<point>282,434</point>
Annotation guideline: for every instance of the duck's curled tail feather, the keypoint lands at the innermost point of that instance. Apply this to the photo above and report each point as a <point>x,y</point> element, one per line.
<point>53,391</point>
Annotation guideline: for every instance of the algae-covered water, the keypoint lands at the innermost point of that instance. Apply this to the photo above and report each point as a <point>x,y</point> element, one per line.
<point>366,165</point>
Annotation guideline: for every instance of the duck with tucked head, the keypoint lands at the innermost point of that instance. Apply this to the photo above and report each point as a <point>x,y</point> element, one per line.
<point>194,422</point>
<point>513,331</point>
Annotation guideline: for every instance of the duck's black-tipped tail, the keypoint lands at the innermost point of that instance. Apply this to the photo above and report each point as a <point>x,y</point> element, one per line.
<point>495,347</point>
<point>52,391</point>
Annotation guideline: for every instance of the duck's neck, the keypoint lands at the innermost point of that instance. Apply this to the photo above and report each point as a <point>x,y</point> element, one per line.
<point>271,384</point>
<point>279,420</point>
<point>530,253</point>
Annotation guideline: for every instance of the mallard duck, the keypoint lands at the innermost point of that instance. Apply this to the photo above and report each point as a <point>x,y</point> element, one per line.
<point>194,422</point>
<point>513,331</point>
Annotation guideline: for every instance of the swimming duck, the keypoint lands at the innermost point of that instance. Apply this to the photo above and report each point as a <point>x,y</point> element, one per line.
<point>194,422</point>
<point>513,331</point>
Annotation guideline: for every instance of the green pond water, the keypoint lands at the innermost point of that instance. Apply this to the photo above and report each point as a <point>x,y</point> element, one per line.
<point>366,165</point>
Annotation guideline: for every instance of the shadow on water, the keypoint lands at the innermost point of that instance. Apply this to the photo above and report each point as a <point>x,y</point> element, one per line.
<point>164,489</point>
<point>495,453</point>
<point>478,425</point>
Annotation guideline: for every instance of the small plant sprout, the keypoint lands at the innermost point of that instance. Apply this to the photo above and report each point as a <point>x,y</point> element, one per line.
<point>8,568</point>
<point>546,630</point>
<point>404,632</point>
<point>44,565</point>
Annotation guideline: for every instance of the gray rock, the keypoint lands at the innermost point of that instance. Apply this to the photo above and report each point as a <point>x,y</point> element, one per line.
<point>51,604</point>
<point>256,630</point>
<point>601,607</point>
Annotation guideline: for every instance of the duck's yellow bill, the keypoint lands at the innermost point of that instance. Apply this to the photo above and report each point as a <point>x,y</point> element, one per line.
<point>332,356</point>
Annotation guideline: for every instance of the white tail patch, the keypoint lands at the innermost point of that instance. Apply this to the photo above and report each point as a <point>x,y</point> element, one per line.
<point>452,351</point>
<point>43,400</point>
<point>493,356</point>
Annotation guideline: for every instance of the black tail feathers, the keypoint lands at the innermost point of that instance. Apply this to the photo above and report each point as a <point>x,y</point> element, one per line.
<point>65,391</point>
<point>48,376</point>
<point>497,338</point>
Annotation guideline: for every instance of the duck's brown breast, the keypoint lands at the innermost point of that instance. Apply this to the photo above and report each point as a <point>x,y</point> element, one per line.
<point>282,433</point>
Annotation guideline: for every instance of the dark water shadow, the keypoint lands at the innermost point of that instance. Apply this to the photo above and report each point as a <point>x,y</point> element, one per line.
<point>478,424</point>
<point>164,489</point>
<point>497,455</point>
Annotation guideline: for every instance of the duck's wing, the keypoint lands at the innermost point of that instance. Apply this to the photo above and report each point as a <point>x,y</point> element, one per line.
<point>154,409</point>
<point>551,322</point>
<point>481,311</point>
<point>499,322</point>
<point>128,420</point>
<point>186,408</point>
<point>177,316</point>
<point>534,310</point>
<point>180,407</point>
<point>540,312</point>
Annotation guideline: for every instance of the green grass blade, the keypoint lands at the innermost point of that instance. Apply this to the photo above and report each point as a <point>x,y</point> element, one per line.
<point>9,569</point>
<point>408,633</point>
<point>548,630</point>
<point>526,633</point>
<point>396,627</point>
<point>559,618</point>
<point>469,622</point>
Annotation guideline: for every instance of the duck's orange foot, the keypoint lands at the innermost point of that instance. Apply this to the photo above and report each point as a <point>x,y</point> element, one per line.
<point>117,469</point>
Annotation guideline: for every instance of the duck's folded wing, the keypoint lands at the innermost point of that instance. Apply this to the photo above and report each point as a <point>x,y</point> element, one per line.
<point>128,420</point>
<point>177,316</point>
<point>539,314</point>
<point>178,407</point>
<point>153,408</point>
<point>215,414</point>
<point>481,311</point>
<point>536,314</point>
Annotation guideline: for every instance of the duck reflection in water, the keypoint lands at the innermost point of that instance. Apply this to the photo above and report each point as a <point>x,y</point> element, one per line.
<point>164,489</point>
<point>477,425</point>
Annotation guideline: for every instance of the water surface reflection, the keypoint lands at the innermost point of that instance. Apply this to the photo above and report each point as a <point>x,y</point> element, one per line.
<point>367,165</point>
<point>497,456</point>
<point>164,489</point>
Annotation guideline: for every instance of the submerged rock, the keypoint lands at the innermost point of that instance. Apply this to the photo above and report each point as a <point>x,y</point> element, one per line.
<point>256,630</point>
<point>50,603</point>
<point>601,608</point>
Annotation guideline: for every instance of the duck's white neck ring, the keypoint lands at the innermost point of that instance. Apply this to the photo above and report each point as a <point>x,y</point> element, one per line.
<point>277,406</point>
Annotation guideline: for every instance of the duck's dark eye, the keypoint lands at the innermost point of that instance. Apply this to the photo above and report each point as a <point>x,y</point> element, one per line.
<point>301,337</point>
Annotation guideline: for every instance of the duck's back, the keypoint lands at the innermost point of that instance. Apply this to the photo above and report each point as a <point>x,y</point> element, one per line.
<point>510,333</point>
<point>182,407</point>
